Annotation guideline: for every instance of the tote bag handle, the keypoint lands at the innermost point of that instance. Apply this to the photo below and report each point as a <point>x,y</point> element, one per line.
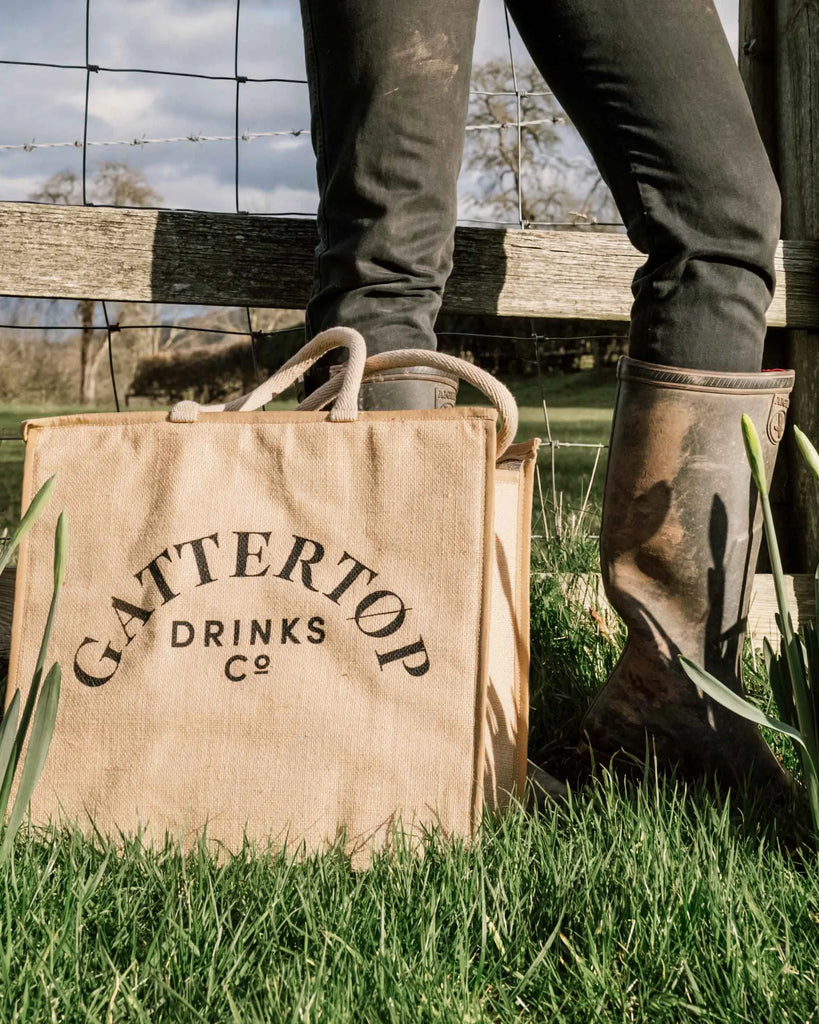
<point>345,407</point>
<point>498,394</point>
<point>344,388</point>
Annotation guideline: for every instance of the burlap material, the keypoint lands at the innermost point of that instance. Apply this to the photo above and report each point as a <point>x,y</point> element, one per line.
<point>278,625</point>
<point>507,698</point>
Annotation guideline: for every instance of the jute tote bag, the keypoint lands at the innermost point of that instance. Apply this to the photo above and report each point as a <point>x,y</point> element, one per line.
<point>291,626</point>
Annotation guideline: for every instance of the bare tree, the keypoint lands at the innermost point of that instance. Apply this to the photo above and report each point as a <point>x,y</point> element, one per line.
<point>113,184</point>
<point>536,180</point>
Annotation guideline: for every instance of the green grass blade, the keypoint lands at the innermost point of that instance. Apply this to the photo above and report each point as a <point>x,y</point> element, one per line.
<point>753,450</point>
<point>780,684</point>
<point>42,730</point>
<point>802,651</point>
<point>8,731</point>
<point>792,650</point>
<point>724,695</point>
<point>811,642</point>
<point>38,503</point>
<point>816,597</point>
<point>542,953</point>
<point>809,453</point>
<point>13,757</point>
<point>60,559</point>
<point>60,550</point>
<point>801,693</point>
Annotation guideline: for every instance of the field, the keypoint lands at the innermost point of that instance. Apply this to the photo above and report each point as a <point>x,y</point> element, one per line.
<point>640,900</point>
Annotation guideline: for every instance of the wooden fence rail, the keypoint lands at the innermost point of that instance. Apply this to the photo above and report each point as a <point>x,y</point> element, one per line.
<point>238,260</point>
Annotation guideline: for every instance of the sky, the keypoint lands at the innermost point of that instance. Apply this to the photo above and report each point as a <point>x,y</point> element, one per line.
<point>43,105</point>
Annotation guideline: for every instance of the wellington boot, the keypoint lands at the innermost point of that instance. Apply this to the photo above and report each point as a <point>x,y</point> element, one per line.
<point>411,387</point>
<point>679,542</point>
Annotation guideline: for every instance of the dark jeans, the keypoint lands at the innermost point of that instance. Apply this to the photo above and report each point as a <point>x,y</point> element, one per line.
<point>653,89</point>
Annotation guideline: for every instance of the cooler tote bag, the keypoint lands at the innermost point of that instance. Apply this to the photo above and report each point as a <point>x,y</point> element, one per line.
<point>289,626</point>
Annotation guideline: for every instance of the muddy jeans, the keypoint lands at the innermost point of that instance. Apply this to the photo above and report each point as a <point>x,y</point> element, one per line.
<point>653,89</point>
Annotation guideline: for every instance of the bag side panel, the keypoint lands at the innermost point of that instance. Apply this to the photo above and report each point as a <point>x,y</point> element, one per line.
<point>507,716</point>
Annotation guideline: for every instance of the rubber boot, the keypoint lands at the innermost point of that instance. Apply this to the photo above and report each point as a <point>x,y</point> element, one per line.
<point>414,387</point>
<point>679,542</point>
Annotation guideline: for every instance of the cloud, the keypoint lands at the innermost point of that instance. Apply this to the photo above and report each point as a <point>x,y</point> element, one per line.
<point>200,191</point>
<point>117,103</point>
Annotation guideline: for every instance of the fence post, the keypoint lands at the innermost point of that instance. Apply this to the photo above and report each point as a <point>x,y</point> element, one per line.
<point>779,62</point>
<point>757,34</point>
<point>797,116</point>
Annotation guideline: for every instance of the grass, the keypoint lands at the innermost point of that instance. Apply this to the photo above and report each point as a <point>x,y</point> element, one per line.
<point>641,900</point>
<point>636,902</point>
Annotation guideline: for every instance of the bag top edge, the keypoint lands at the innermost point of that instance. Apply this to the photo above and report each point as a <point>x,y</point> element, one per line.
<point>112,419</point>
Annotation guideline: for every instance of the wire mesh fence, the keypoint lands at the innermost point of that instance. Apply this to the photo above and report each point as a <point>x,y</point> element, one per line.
<point>536,350</point>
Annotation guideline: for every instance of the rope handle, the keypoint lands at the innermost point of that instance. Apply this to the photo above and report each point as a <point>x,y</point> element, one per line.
<point>498,394</point>
<point>345,407</point>
<point>345,387</point>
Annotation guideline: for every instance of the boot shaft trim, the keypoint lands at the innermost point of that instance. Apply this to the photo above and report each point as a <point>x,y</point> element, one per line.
<point>703,380</point>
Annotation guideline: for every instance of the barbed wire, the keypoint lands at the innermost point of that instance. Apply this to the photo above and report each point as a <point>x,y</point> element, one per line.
<point>259,334</point>
<point>524,93</point>
<point>586,221</point>
<point>574,342</point>
<point>256,333</point>
<point>29,147</point>
<point>495,126</point>
<point>550,526</point>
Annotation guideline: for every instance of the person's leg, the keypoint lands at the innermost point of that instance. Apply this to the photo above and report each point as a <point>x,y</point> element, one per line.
<point>654,90</point>
<point>389,87</point>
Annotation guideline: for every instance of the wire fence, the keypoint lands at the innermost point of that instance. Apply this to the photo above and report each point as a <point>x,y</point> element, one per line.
<point>540,346</point>
<point>90,68</point>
